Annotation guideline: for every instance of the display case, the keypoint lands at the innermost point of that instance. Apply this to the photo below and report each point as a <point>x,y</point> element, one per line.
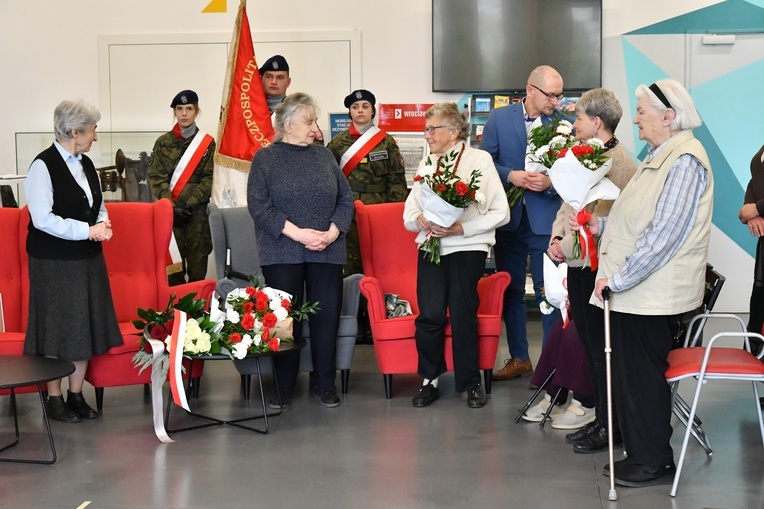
<point>480,107</point>
<point>121,157</point>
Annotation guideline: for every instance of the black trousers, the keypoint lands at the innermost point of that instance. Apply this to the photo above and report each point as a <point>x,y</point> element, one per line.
<point>641,345</point>
<point>590,323</point>
<point>450,286</point>
<point>318,282</point>
<point>756,317</point>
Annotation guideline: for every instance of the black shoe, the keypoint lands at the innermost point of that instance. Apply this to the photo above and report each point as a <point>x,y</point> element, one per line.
<point>584,432</point>
<point>476,398</point>
<point>276,403</point>
<point>619,465</point>
<point>59,411</point>
<point>328,397</point>
<point>596,442</point>
<point>426,396</point>
<point>76,402</point>
<point>635,475</point>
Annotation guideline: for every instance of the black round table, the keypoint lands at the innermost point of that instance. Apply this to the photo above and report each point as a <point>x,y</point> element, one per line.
<point>23,370</point>
<point>247,367</point>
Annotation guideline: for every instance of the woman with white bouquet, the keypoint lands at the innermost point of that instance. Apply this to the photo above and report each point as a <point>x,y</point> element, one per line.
<point>452,257</point>
<point>598,114</point>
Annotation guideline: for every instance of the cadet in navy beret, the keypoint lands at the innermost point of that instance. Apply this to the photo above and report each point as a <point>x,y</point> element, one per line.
<point>360,95</point>
<point>275,63</point>
<point>275,77</point>
<point>185,97</point>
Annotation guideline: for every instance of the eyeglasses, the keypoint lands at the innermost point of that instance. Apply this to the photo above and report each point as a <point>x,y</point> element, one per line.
<point>431,130</point>
<point>548,95</point>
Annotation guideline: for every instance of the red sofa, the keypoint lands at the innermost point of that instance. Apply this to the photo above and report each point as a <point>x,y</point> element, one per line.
<point>389,256</point>
<point>135,260</point>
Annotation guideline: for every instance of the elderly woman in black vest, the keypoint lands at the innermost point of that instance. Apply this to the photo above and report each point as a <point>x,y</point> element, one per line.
<point>71,313</point>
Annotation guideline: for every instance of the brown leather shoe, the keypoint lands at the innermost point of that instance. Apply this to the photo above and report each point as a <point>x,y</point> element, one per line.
<point>513,368</point>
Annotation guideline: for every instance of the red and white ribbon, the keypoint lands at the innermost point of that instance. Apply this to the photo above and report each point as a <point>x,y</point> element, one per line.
<point>176,360</point>
<point>157,381</point>
<point>587,239</point>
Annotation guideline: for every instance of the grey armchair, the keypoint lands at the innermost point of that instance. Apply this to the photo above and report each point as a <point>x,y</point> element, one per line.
<point>235,248</point>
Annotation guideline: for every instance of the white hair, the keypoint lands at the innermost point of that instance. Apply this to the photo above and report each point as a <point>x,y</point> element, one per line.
<point>290,111</point>
<point>72,116</point>
<point>687,117</point>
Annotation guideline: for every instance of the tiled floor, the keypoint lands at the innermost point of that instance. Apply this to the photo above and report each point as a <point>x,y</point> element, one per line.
<point>369,452</point>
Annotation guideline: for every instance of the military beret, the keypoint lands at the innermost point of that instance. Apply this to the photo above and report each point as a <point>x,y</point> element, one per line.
<point>185,97</point>
<point>360,95</point>
<point>275,63</point>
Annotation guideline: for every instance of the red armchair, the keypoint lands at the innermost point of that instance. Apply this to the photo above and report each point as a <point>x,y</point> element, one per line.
<point>14,284</point>
<point>389,256</point>
<point>136,260</point>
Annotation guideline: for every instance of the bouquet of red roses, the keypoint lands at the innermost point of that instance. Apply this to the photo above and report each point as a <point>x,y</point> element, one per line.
<point>578,176</point>
<point>445,196</point>
<point>257,319</point>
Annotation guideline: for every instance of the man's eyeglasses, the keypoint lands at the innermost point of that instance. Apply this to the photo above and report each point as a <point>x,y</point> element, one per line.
<point>431,130</point>
<point>548,95</point>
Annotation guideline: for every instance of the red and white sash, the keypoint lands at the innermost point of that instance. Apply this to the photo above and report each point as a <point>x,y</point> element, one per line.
<point>361,148</point>
<point>180,177</point>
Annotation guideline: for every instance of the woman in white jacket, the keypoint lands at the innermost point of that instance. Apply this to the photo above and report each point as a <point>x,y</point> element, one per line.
<point>448,284</point>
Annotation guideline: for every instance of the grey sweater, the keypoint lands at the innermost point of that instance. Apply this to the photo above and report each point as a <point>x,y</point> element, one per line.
<point>302,184</point>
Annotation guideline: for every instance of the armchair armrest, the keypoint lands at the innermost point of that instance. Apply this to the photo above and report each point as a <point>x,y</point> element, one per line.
<point>491,291</point>
<point>224,287</point>
<point>371,289</point>
<point>351,292</point>
<point>203,290</point>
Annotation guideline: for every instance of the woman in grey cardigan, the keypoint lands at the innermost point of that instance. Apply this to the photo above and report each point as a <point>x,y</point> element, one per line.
<point>302,207</point>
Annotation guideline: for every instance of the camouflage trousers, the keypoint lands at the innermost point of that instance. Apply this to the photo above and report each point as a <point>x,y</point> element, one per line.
<point>195,245</point>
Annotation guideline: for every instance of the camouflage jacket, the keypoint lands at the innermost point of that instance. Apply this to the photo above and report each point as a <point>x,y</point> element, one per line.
<point>380,176</point>
<point>168,150</point>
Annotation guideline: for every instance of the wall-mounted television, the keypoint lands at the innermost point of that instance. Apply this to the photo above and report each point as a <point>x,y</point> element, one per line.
<point>492,45</point>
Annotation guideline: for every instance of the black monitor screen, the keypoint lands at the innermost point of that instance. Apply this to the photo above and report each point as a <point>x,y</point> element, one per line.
<point>492,45</point>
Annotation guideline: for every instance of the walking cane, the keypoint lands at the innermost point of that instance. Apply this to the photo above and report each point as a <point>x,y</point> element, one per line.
<point>612,495</point>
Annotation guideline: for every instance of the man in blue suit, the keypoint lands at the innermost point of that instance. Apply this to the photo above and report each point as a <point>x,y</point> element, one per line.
<point>505,137</point>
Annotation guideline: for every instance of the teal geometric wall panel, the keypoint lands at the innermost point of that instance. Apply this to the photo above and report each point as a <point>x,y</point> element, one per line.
<point>737,130</point>
<point>729,16</point>
<point>731,134</point>
<point>639,70</point>
<point>728,194</point>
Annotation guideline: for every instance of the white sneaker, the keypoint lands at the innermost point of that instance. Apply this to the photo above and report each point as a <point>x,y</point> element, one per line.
<point>536,412</point>
<point>576,416</point>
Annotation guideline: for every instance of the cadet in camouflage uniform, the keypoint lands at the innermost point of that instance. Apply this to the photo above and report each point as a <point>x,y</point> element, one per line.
<point>378,176</point>
<point>190,224</point>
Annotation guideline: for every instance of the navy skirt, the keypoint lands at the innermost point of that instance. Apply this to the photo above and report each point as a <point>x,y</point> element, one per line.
<point>71,312</point>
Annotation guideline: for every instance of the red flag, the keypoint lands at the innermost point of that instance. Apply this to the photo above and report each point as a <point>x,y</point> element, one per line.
<point>245,120</point>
